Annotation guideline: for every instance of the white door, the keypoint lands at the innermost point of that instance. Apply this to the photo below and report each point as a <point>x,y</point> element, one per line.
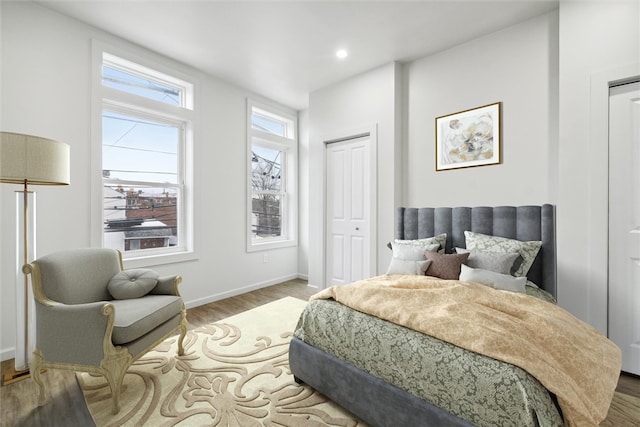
<point>348,239</point>
<point>624,223</point>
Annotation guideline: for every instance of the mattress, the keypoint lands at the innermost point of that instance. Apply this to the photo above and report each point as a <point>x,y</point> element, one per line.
<point>476,388</point>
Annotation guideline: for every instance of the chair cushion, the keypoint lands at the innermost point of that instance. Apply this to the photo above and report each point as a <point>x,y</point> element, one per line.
<point>136,317</point>
<point>133,283</point>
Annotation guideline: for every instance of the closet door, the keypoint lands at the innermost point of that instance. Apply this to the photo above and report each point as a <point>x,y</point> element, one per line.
<point>624,223</point>
<point>348,211</point>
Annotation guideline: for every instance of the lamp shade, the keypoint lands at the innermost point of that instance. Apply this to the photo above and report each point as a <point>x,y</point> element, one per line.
<point>34,160</point>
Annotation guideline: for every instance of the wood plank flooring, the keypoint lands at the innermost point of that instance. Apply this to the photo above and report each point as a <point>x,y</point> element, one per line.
<point>65,403</point>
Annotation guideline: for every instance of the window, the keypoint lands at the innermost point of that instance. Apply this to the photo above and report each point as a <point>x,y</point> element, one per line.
<point>129,77</point>
<point>272,147</point>
<point>146,138</point>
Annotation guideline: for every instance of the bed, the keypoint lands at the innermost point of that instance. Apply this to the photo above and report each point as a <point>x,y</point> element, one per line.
<point>389,374</point>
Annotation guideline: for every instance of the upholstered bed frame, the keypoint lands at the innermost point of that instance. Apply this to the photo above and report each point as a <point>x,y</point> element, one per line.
<point>380,403</point>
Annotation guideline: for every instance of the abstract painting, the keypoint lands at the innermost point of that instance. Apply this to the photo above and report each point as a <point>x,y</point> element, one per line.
<point>468,138</point>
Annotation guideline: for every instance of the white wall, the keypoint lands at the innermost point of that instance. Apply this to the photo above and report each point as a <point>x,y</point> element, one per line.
<point>303,194</point>
<point>551,75</point>
<point>46,86</point>
<point>516,66</point>
<point>599,42</point>
<point>365,101</point>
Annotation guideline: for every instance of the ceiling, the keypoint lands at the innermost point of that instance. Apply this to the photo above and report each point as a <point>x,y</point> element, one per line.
<point>284,50</point>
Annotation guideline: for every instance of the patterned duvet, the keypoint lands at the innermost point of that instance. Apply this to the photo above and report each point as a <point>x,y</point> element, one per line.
<point>479,389</point>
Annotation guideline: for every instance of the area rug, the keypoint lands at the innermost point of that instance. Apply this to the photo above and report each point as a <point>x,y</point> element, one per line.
<point>234,373</point>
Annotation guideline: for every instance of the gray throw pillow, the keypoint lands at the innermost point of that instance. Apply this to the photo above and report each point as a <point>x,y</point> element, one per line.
<point>134,283</point>
<point>502,263</point>
<point>485,243</point>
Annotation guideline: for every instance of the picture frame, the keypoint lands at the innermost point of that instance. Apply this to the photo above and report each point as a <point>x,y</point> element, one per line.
<point>469,138</point>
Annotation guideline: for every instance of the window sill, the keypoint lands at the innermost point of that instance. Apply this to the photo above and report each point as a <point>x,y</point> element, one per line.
<point>256,247</point>
<point>144,261</point>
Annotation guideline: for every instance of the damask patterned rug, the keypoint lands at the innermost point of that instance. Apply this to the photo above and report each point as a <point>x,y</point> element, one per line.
<point>234,373</point>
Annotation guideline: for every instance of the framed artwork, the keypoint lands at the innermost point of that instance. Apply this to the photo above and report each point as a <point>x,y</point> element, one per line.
<point>468,138</point>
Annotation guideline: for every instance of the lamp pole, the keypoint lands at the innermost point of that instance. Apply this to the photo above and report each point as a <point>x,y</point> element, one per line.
<point>24,160</point>
<point>26,223</point>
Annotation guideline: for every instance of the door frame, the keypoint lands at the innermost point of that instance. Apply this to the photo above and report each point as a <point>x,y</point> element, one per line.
<point>598,228</point>
<point>620,314</point>
<point>370,131</point>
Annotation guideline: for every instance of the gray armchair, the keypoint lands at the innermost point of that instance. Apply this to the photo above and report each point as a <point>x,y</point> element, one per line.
<point>81,326</point>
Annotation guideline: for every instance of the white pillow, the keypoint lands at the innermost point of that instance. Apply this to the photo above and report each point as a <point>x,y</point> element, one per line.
<point>495,280</point>
<point>485,243</point>
<point>403,266</point>
<point>413,252</point>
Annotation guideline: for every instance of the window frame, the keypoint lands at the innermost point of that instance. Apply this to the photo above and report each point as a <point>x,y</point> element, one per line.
<point>106,98</point>
<point>289,145</point>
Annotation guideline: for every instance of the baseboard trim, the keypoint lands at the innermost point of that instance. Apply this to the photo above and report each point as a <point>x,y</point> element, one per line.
<point>7,353</point>
<point>239,291</point>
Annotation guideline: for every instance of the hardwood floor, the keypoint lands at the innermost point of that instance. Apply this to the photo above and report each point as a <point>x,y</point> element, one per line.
<point>625,407</point>
<point>218,310</point>
<point>65,403</point>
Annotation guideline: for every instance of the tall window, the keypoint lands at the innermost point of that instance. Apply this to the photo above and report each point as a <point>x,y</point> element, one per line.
<point>272,146</point>
<point>146,140</point>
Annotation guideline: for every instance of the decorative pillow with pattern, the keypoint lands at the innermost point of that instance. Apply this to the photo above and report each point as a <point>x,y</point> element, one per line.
<point>440,239</point>
<point>445,266</point>
<point>500,263</point>
<point>485,243</point>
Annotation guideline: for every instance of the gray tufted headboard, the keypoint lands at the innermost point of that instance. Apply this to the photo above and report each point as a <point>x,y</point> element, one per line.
<point>515,222</point>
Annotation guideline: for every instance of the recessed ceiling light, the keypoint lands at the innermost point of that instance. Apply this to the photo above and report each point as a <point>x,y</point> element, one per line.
<point>341,54</point>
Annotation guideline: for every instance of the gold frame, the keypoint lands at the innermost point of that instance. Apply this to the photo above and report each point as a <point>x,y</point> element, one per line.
<point>469,138</point>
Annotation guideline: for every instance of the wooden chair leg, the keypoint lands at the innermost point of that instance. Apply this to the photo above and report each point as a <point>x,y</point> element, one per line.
<point>183,333</point>
<point>34,370</point>
<point>114,386</point>
<point>114,367</point>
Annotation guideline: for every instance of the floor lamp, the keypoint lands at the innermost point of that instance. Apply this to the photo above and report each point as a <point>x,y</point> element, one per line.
<point>25,160</point>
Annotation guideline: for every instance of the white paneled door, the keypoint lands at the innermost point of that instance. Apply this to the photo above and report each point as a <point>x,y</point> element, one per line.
<point>348,239</point>
<point>624,223</point>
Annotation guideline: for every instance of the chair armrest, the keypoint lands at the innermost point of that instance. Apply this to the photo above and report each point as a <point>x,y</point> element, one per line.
<point>167,285</point>
<point>74,333</point>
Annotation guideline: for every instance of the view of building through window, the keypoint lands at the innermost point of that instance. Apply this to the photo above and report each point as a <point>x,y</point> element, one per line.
<point>267,184</point>
<point>140,219</point>
<point>271,142</point>
<point>141,162</point>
